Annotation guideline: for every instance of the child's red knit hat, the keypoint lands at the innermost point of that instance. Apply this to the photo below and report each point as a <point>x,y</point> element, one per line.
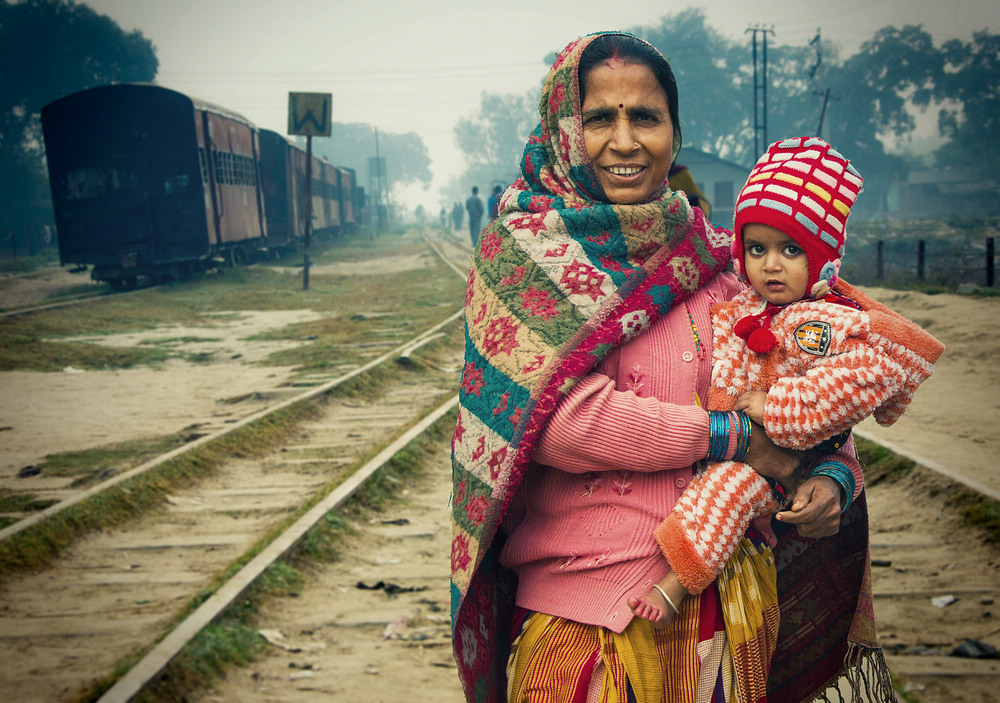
<point>805,188</point>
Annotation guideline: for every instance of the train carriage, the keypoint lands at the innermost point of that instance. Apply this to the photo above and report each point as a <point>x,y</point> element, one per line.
<point>282,167</point>
<point>148,182</point>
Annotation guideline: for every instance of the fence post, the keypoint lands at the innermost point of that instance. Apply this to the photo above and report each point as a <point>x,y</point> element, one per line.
<point>880,261</point>
<point>989,262</point>
<point>921,248</point>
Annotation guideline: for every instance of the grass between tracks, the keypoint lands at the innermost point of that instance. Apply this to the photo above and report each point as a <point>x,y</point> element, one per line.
<point>234,639</point>
<point>348,289</point>
<point>977,511</point>
<point>39,544</point>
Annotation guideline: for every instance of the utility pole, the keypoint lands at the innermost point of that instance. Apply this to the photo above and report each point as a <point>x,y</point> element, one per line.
<point>822,111</point>
<point>759,87</point>
<point>379,186</point>
<point>817,41</point>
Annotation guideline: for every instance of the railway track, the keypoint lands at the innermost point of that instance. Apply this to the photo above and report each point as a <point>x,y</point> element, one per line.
<point>392,641</point>
<point>114,594</point>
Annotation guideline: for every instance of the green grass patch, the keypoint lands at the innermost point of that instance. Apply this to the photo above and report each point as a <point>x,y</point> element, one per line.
<point>881,464</point>
<point>29,264</point>
<point>176,341</point>
<point>19,353</point>
<point>40,543</point>
<point>978,511</point>
<point>15,502</point>
<point>412,300</point>
<point>117,457</point>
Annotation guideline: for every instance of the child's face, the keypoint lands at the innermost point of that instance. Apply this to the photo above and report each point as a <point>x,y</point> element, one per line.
<point>775,265</point>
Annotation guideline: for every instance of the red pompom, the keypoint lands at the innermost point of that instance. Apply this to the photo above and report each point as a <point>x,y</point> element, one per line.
<point>762,340</point>
<point>746,325</point>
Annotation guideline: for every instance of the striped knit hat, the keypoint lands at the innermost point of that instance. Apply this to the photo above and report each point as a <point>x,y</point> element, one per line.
<point>805,188</point>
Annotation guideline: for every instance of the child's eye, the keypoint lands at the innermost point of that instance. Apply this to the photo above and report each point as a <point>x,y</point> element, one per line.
<point>792,250</point>
<point>755,250</point>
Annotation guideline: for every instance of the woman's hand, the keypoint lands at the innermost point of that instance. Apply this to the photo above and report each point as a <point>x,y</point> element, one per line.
<point>772,461</point>
<point>815,509</point>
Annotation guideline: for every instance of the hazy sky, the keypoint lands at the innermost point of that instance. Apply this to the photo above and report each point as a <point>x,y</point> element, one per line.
<point>420,65</point>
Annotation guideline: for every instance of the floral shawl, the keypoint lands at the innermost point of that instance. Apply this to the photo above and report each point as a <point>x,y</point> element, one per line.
<point>560,278</point>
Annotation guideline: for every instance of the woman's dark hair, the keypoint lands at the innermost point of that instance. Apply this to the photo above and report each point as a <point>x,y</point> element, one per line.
<point>632,50</point>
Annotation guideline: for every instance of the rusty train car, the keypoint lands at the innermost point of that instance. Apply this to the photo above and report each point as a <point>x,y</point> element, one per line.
<point>336,196</point>
<point>148,182</point>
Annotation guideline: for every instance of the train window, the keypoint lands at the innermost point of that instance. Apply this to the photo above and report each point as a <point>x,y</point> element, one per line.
<point>86,183</point>
<point>203,164</point>
<point>176,184</point>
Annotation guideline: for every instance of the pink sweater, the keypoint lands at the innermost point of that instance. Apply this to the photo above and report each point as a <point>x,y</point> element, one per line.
<point>614,458</point>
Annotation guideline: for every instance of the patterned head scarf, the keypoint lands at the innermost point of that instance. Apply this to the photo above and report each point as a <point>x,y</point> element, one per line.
<point>558,279</point>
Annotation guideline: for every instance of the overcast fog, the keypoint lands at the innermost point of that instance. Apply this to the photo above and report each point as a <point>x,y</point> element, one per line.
<point>420,65</point>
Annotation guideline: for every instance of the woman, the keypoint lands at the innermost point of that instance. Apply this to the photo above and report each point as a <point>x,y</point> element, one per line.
<point>580,422</point>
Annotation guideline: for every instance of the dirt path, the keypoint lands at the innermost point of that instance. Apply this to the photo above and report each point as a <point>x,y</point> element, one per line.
<point>341,642</point>
<point>954,421</point>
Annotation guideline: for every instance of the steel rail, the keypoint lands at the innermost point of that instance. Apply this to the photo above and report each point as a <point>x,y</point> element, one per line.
<point>403,350</point>
<point>150,666</point>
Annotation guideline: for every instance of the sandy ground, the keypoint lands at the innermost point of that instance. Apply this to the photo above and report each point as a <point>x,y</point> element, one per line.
<point>954,422</point>
<point>954,419</point>
<point>48,413</point>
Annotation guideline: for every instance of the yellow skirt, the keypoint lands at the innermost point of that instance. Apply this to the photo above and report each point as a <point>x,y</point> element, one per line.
<point>554,660</point>
<point>748,589</point>
<point>717,650</point>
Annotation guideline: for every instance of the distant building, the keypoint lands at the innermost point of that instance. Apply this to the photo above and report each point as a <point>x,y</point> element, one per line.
<point>926,194</point>
<point>969,192</point>
<point>718,179</point>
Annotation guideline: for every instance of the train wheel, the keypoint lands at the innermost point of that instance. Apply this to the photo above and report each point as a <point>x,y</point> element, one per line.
<point>127,283</point>
<point>237,257</point>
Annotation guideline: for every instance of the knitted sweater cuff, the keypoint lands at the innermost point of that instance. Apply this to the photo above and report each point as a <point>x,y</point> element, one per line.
<point>689,567</point>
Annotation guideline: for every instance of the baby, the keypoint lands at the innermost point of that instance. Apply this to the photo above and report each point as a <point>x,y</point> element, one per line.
<point>801,353</point>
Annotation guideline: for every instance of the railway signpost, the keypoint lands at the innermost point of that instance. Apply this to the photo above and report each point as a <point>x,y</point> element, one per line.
<point>309,116</point>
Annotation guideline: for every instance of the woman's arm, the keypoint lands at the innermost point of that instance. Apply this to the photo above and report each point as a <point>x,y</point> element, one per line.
<point>598,428</point>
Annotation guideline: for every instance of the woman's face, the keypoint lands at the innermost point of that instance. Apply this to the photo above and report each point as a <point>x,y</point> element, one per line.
<point>627,130</point>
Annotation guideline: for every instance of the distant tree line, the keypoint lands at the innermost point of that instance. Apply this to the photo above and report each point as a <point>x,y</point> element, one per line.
<point>51,48</point>
<point>868,95</point>
<point>353,144</point>
<point>48,49</point>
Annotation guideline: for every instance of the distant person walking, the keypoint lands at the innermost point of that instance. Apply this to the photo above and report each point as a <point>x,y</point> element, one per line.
<point>457,216</point>
<point>493,202</point>
<point>474,206</point>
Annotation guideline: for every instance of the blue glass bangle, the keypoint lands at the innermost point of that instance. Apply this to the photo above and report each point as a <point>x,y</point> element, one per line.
<point>718,435</point>
<point>842,476</point>
<point>743,433</point>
